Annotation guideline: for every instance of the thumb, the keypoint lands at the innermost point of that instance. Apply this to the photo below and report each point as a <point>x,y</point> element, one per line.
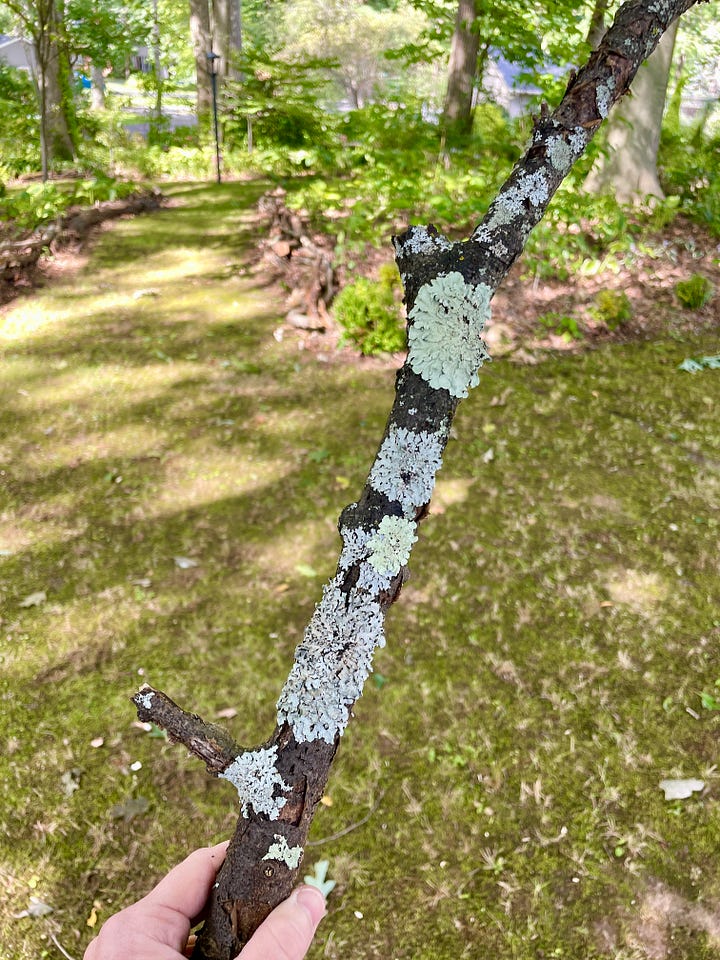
<point>287,933</point>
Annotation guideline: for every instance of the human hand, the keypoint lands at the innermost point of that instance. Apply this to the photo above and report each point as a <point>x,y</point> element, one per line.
<point>157,927</point>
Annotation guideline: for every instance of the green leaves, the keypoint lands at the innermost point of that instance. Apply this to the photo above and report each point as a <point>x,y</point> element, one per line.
<point>692,365</point>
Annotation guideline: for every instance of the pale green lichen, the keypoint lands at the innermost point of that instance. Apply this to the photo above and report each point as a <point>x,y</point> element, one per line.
<point>332,662</point>
<point>145,698</point>
<point>604,96</point>
<point>257,781</point>
<point>281,850</point>
<point>391,544</point>
<point>530,189</point>
<point>559,154</point>
<point>419,241</point>
<point>405,467</point>
<point>446,320</point>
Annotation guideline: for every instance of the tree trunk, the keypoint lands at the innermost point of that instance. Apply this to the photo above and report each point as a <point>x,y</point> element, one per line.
<point>97,92</point>
<point>157,65</point>
<point>56,141</point>
<point>202,44</point>
<point>629,169</point>
<point>596,30</point>
<point>227,33</point>
<point>462,69</point>
<point>448,287</point>
<point>235,38</point>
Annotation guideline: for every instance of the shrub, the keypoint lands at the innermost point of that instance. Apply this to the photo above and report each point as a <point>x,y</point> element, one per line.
<point>694,292</point>
<point>369,313</point>
<point>42,202</point>
<point>561,325</point>
<point>612,308</point>
<point>20,127</point>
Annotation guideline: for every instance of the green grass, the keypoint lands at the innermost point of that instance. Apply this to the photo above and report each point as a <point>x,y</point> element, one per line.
<point>544,666</point>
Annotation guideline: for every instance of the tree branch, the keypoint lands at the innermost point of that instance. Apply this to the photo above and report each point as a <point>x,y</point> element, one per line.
<point>208,741</point>
<point>448,288</point>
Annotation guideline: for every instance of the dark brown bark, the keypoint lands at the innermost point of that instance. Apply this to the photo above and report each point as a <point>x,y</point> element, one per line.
<point>298,755</point>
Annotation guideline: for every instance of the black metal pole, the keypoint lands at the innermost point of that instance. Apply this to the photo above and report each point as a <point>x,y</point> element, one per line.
<point>213,81</point>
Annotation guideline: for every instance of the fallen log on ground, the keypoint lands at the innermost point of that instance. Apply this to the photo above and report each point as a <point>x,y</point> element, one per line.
<point>19,257</point>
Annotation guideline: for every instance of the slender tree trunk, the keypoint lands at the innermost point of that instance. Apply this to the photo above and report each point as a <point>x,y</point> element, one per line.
<point>157,63</point>
<point>448,286</point>
<point>629,169</point>
<point>235,42</point>
<point>462,69</point>
<point>97,92</point>
<point>596,30</point>
<point>54,95</point>
<point>228,34</point>
<point>201,43</point>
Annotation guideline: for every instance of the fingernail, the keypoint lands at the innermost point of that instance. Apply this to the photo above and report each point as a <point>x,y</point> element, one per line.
<point>313,901</point>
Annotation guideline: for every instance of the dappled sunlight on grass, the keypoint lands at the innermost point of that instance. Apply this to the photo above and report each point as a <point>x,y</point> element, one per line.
<point>170,487</point>
<point>201,476</point>
<point>132,441</point>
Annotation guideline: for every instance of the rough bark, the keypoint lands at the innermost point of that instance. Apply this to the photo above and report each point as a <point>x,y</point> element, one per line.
<point>629,168</point>
<point>448,287</point>
<point>202,44</point>
<point>462,69</point>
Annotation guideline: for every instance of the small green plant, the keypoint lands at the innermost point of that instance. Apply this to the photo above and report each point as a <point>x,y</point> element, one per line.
<point>561,325</point>
<point>369,313</point>
<point>711,701</point>
<point>613,308</point>
<point>694,292</point>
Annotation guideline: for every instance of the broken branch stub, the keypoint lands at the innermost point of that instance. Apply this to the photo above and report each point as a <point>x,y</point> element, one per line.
<point>448,289</point>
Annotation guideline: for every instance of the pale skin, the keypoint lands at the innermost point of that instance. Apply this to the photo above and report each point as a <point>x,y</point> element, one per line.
<point>157,927</point>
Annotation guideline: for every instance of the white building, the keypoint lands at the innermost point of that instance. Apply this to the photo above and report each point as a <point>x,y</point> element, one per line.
<point>16,53</point>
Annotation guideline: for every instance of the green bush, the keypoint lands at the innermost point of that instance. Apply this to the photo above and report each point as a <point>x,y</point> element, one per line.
<point>694,292</point>
<point>369,313</point>
<point>613,308</point>
<point>40,203</point>
<point>20,126</point>
<point>563,326</point>
<point>686,159</point>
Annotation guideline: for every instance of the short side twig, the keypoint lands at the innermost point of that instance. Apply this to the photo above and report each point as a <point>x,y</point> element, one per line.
<point>208,741</point>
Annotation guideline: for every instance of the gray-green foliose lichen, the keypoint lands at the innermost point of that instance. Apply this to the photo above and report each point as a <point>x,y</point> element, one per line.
<point>418,240</point>
<point>281,850</point>
<point>145,698</point>
<point>332,663</point>
<point>405,467</point>
<point>257,781</point>
<point>604,96</point>
<point>391,544</point>
<point>444,343</point>
<point>559,153</point>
